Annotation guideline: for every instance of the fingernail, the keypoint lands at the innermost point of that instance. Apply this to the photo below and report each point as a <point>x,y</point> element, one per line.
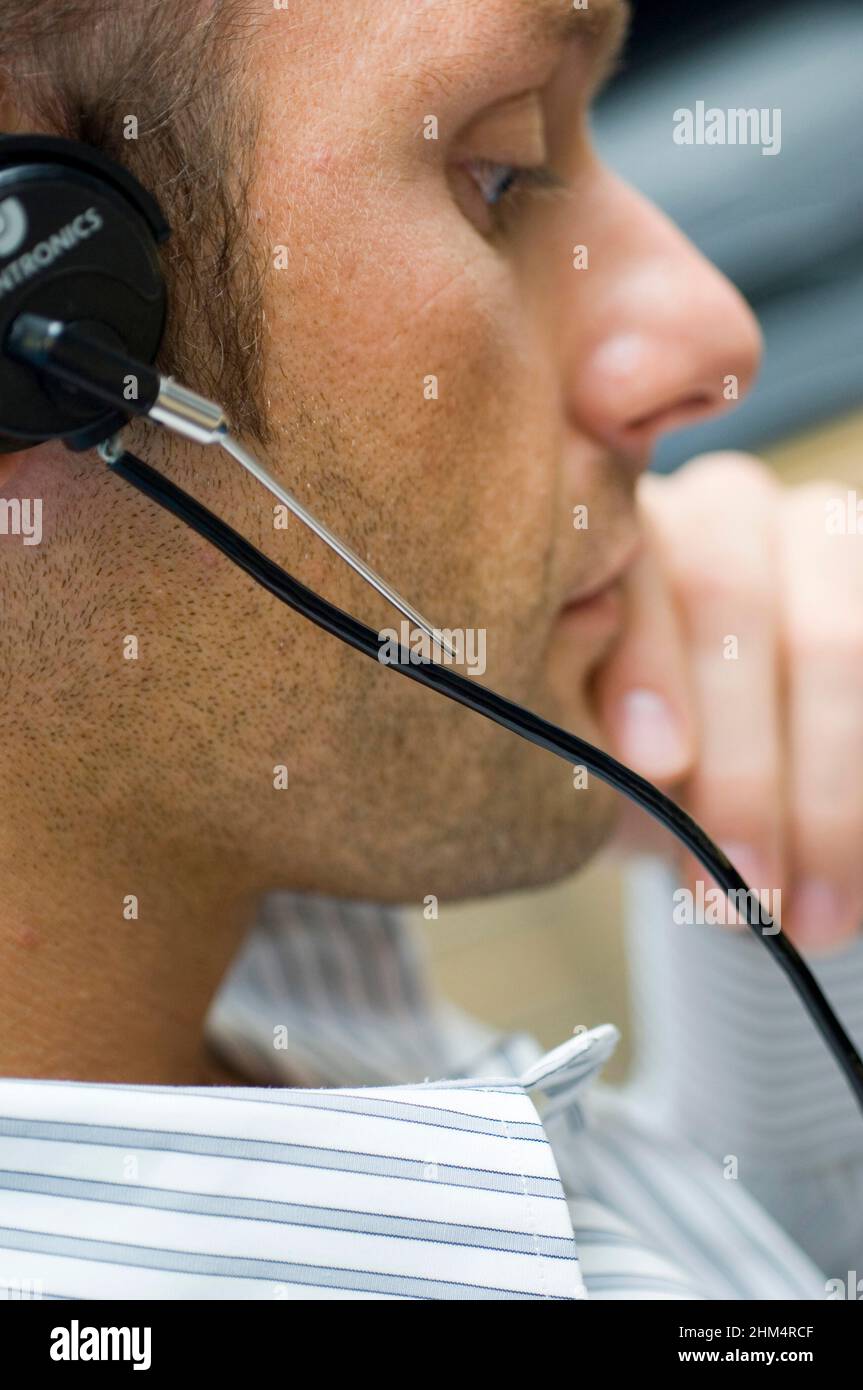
<point>649,734</point>
<point>820,915</point>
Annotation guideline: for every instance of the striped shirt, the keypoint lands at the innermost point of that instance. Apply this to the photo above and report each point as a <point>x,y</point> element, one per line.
<point>388,1146</point>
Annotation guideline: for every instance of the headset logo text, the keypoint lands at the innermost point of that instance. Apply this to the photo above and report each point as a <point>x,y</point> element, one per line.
<point>13,225</point>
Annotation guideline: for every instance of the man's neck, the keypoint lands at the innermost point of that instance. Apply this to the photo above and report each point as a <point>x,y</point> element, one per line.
<point>112,944</point>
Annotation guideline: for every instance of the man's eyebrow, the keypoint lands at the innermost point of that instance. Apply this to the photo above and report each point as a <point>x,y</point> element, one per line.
<point>603,23</point>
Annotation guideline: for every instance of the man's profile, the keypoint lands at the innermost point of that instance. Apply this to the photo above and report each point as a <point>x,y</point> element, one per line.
<point>374,213</point>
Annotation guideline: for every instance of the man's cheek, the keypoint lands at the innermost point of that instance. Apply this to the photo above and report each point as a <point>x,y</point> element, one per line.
<point>416,306</point>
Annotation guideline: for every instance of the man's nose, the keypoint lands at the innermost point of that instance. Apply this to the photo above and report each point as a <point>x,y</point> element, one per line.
<point>664,339</point>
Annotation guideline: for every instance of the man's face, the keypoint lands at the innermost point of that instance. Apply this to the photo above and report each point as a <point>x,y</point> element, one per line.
<point>551,384</point>
<point>449,373</point>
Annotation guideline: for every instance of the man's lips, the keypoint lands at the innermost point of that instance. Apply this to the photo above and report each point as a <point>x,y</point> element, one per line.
<point>584,596</point>
<point>596,612</point>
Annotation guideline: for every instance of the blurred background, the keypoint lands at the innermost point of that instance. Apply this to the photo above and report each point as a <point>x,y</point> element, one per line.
<point>788,230</point>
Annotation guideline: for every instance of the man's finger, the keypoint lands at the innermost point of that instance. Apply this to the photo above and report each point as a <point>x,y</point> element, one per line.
<point>823,640</point>
<point>642,691</point>
<point>718,524</point>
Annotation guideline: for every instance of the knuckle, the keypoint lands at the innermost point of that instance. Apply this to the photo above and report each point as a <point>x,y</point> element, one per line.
<point>811,497</point>
<point>725,473</point>
<point>742,805</point>
<point>823,835</point>
<point>831,638</point>
<point>733,582</point>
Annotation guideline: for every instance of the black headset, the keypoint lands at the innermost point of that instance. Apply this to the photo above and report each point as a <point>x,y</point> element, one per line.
<point>78,244</point>
<point>83,308</point>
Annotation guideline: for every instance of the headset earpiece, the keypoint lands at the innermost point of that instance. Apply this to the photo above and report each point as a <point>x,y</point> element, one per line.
<point>78,239</point>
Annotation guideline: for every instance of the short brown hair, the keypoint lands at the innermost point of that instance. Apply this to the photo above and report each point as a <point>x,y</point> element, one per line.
<point>81,69</point>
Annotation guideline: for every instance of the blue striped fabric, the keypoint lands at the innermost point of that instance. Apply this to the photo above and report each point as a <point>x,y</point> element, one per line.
<point>729,1062</point>
<point>446,1191</point>
<point>653,1215</point>
<point>342,1173</point>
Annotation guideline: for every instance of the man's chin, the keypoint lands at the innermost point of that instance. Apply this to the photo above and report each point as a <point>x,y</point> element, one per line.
<point>495,857</point>
<point>566,847</point>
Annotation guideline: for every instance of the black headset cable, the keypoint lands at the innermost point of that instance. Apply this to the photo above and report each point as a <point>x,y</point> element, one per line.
<point>508,715</point>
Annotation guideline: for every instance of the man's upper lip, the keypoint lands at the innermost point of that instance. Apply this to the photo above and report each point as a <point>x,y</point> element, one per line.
<point>625,557</point>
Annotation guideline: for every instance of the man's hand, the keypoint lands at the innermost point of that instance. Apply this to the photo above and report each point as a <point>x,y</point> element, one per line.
<point>738,685</point>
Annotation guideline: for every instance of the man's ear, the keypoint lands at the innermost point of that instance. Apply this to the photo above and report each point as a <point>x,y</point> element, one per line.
<point>11,463</point>
<point>25,478</point>
<point>11,122</point>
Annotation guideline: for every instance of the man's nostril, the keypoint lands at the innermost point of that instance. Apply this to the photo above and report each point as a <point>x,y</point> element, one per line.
<point>669,416</point>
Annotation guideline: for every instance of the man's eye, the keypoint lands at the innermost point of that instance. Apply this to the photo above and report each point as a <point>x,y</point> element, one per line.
<point>495,181</point>
<point>488,190</point>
